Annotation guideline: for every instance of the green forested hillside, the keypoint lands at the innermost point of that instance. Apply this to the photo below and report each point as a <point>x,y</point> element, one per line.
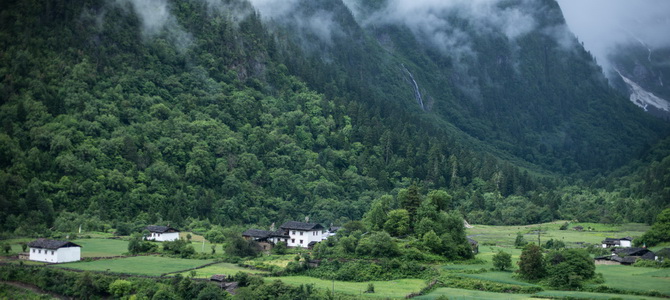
<point>203,111</point>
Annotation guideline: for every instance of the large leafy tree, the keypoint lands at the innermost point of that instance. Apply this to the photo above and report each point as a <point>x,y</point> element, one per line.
<point>659,232</point>
<point>569,268</point>
<point>531,263</point>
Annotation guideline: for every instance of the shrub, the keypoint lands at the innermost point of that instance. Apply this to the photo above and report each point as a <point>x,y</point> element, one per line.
<point>502,261</point>
<point>520,242</point>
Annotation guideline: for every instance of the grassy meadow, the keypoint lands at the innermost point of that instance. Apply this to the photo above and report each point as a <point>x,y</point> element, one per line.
<point>383,289</point>
<point>222,268</point>
<point>102,247</point>
<point>139,265</point>
<point>505,235</point>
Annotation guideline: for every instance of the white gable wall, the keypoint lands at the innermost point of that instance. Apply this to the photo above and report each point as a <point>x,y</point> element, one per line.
<point>624,243</point>
<point>60,255</point>
<point>302,238</point>
<point>163,237</point>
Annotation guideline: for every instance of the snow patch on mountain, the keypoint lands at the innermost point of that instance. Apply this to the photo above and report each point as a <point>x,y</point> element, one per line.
<point>643,98</point>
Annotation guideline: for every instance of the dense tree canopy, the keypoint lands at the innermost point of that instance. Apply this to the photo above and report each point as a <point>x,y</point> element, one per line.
<point>230,120</point>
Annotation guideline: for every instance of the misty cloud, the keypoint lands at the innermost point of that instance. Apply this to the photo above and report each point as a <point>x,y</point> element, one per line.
<point>156,19</point>
<point>433,20</point>
<point>318,23</point>
<point>603,25</point>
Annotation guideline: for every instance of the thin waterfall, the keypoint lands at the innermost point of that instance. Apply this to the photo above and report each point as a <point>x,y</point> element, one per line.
<point>417,92</point>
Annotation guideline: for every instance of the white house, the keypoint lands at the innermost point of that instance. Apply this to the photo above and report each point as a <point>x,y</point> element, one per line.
<point>622,242</point>
<point>162,233</point>
<point>53,251</point>
<point>303,234</point>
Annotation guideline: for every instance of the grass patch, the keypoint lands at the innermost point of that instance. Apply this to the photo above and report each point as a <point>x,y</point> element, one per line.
<point>383,289</point>
<point>635,279</point>
<point>222,268</point>
<point>452,293</point>
<point>587,295</point>
<point>273,260</point>
<point>505,235</point>
<point>501,277</point>
<point>141,265</point>
<point>102,247</point>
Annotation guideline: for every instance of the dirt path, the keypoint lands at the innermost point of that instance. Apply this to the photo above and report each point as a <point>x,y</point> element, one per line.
<point>35,289</point>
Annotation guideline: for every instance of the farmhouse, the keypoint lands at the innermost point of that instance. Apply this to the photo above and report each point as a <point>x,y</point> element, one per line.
<point>622,242</point>
<point>54,251</point>
<point>626,256</point>
<point>162,233</point>
<point>294,234</point>
<point>265,238</point>
<point>302,234</point>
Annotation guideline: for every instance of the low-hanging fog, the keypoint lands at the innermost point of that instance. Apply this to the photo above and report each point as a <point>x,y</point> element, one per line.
<point>602,25</point>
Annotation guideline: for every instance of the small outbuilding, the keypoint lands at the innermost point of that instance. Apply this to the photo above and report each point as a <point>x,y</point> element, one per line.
<point>474,245</point>
<point>162,233</point>
<point>53,251</point>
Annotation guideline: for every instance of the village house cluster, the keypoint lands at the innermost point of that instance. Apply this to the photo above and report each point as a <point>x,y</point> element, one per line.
<point>623,252</point>
<point>293,233</point>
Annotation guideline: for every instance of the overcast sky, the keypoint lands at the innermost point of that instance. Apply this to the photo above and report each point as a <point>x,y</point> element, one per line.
<point>603,24</point>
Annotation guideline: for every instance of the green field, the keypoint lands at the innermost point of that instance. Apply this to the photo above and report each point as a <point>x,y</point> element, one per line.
<point>383,289</point>
<point>141,265</point>
<point>501,277</point>
<point>635,279</point>
<point>102,247</point>
<point>462,294</point>
<point>222,268</point>
<point>505,235</point>
<point>585,295</point>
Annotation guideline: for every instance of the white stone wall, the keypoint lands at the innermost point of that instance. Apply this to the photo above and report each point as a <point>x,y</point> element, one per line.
<point>162,237</point>
<point>68,254</point>
<point>303,238</point>
<point>59,255</point>
<point>624,243</point>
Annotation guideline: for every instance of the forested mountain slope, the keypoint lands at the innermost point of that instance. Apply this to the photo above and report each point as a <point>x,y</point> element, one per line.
<point>161,111</point>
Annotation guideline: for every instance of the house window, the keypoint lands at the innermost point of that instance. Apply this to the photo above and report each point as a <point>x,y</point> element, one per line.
<point>301,233</point>
<point>39,251</point>
<point>33,250</point>
<point>292,240</point>
<point>52,252</point>
<point>301,242</point>
<point>293,232</point>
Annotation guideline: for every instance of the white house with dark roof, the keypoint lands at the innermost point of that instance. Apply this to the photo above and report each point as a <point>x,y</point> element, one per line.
<point>53,251</point>
<point>162,233</point>
<point>622,242</point>
<point>302,234</point>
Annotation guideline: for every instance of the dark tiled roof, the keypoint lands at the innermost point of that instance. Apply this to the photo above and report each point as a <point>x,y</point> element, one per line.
<point>263,234</point>
<point>471,241</point>
<point>631,251</point>
<point>257,233</point>
<point>301,226</point>
<point>51,244</point>
<point>218,277</point>
<point>279,234</point>
<point>161,229</point>
<point>629,259</point>
<point>649,256</point>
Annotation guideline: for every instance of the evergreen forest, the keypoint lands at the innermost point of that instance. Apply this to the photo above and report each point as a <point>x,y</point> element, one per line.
<point>120,114</point>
